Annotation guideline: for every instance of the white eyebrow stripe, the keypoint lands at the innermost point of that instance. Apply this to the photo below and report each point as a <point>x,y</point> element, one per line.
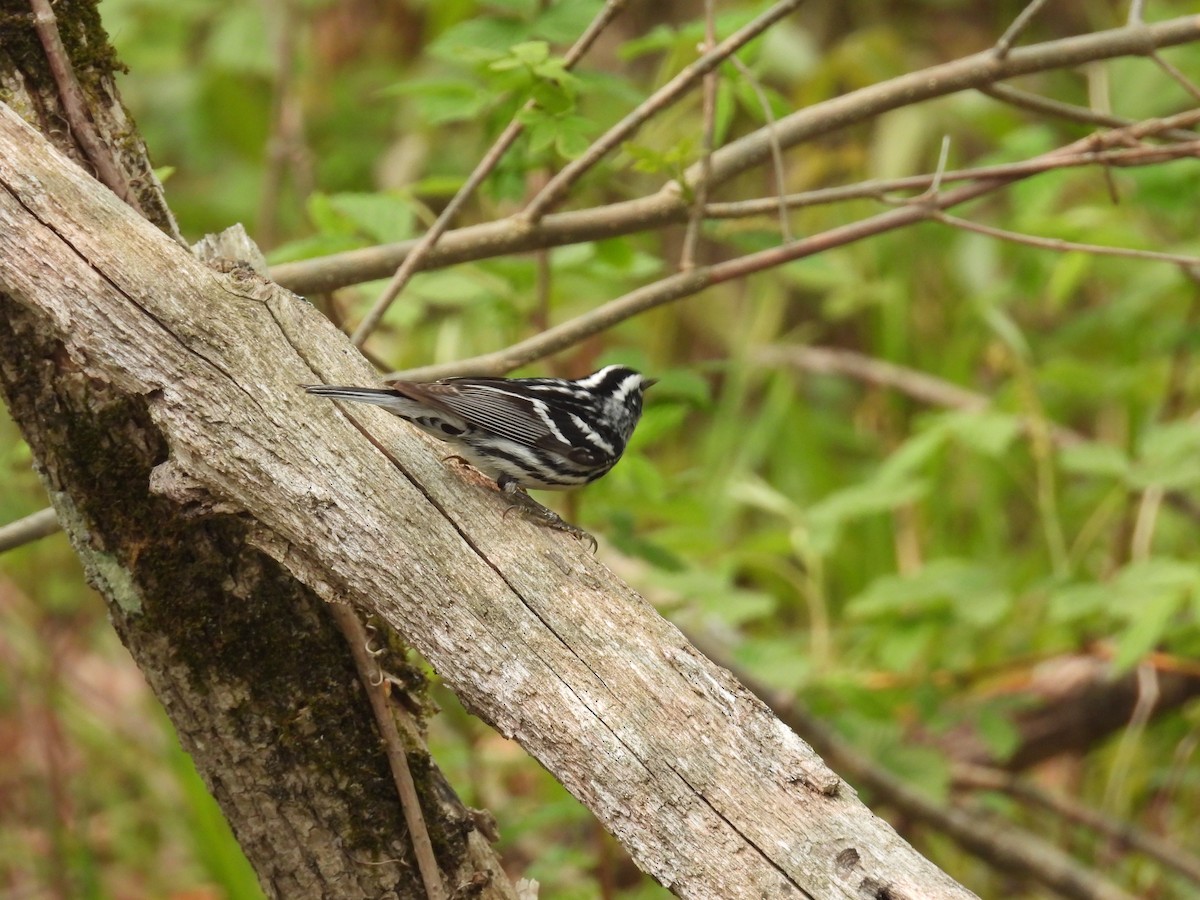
<point>626,386</point>
<point>596,378</point>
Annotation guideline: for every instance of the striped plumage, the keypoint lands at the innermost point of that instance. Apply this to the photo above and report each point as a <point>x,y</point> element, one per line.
<point>539,433</point>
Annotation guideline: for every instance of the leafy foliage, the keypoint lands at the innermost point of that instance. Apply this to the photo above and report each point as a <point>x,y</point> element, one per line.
<point>900,567</point>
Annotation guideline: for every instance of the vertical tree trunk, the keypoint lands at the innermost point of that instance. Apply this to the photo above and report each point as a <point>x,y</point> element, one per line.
<point>246,660</point>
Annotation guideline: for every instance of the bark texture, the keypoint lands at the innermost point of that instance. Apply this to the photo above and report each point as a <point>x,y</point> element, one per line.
<point>252,671</point>
<point>171,389</point>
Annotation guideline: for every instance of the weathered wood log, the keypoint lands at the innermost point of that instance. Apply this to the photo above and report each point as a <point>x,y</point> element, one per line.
<point>711,793</point>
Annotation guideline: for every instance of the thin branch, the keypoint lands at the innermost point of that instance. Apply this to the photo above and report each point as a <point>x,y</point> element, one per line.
<point>685,284</point>
<point>505,236</point>
<point>879,189</point>
<point>911,382</point>
<point>1070,111</point>
<point>411,262</point>
<point>691,237</point>
<point>33,527</point>
<point>1123,834</point>
<point>1017,28</point>
<point>75,106</point>
<point>1183,81</point>
<point>975,71</point>
<point>368,673</point>
<point>1064,246</point>
<point>785,228</point>
<point>558,186</point>
<point>1001,846</point>
<point>516,235</point>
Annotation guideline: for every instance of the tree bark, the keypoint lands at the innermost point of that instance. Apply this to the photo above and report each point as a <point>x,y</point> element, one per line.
<point>213,502</point>
<point>254,674</point>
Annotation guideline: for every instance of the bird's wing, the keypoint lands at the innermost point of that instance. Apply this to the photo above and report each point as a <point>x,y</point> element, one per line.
<point>502,408</point>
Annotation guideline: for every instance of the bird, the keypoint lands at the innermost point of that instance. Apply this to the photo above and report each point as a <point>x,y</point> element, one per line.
<point>522,433</point>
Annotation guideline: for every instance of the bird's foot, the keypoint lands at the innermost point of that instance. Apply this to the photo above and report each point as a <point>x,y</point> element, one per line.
<point>530,509</point>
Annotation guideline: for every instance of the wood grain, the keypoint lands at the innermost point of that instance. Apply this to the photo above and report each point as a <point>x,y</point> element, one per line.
<point>711,794</point>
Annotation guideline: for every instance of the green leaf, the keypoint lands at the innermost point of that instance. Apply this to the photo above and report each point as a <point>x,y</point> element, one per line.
<point>988,433</point>
<point>1169,456</point>
<point>384,217</point>
<point>1096,459</point>
<point>481,39</point>
<point>941,585</point>
<point>1155,615</point>
<point>869,498</point>
<point>998,731</point>
<point>441,100</point>
<point>1005,328</point>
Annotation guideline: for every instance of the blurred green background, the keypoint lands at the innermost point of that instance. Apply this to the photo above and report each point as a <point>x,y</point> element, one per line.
<point>902,568</point>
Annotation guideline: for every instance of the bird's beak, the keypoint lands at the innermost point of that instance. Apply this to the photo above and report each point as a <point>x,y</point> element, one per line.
<point>649,383</point>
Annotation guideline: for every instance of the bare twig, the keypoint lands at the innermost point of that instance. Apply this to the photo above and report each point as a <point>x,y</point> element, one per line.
<point>691,237</point>
<point>880,189</point>
<point>33,527</point>
<point>912,382</point>
<point>685,284</point>
<point>75,106</point>
<point>1122,834</point>
<point>557,187</point>
<point>1178,76</point>
<point>1070,111</point>
<point>1064,246</point>
<point>668,206</point>
<point>980,69</point>
<point>999,845</point>
<point>785,228</point>
<point>411,262</point>
<point>368,673</point>
<point>1017,28</point>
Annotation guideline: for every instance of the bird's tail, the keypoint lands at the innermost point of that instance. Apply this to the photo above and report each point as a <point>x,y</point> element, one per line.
<point>385,397</point>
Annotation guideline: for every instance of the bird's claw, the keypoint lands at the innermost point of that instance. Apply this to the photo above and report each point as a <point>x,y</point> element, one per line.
<point>547,518</point>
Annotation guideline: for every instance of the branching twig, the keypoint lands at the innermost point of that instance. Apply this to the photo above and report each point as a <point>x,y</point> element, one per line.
<point>1002,846</point>
<point>880,189</point>
<point>356,636</point>
<point>557,187</point>
<point>685,284</point>
<point>691,237</point>
<point>785,228</point>
<point>979,70</point>
<point>668,206</point>
<point>1123,834</point>
<point>75,107</point>
<point>1063,246</point>
<point>410,264</point>
<point>1017,28</point>
<point>1070,111</point>
<point>503,237</point>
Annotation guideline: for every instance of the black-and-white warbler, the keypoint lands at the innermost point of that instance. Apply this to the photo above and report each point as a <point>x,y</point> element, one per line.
<point>542,433</point>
